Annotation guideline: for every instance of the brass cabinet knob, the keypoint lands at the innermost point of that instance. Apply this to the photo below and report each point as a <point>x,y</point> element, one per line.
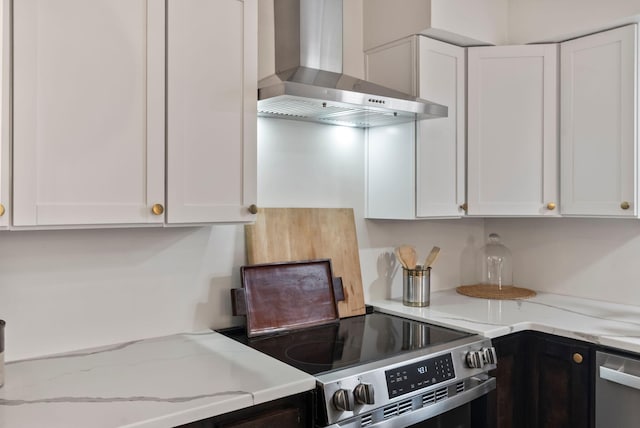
<point>253,209</point>
<point>551,206</point>
<point>625,205</point>
<point>464,206</point>
<point>577,358</point>
<point>1,210</point>
<point>157,209</point>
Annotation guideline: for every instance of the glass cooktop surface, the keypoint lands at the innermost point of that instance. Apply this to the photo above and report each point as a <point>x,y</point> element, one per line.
<point>348,342</point>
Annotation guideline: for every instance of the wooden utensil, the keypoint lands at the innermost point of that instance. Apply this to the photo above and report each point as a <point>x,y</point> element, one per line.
<point>408,256</point>
<point>431,257</point>
<point>289,234</point>
<point>397,252</point>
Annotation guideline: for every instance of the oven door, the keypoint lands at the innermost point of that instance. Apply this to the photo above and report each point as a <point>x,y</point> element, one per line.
<point>414,412</point>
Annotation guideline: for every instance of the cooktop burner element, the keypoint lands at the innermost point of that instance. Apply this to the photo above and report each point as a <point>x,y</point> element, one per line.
<point>299,353</point>
<point>374,368</point>
<point>351,341</point>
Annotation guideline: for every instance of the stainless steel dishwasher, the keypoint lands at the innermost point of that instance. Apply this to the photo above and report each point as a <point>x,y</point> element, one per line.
<point>617,391</point>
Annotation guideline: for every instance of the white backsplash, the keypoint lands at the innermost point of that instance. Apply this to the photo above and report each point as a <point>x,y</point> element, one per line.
<point>71,289</point>
<point>308,165</point>
<point>592,258</point>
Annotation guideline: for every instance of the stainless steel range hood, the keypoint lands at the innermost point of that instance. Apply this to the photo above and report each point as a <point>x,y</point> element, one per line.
<point>309,84</point>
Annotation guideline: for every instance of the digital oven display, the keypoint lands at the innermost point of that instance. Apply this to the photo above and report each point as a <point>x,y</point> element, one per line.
<point>405,379</point>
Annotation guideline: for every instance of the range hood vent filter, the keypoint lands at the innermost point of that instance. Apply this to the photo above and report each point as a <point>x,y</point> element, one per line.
<point>296,108</point>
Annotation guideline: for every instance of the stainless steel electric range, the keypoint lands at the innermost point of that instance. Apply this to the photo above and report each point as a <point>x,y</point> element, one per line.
<point>379,370</point>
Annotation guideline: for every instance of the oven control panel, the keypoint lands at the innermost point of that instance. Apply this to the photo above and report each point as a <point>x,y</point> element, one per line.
<point>368,392</point>
<point>405,379</point>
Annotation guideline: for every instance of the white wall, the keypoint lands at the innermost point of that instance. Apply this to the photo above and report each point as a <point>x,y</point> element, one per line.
<point>386,21</point>
<point>485,20</point>
<point>353,38</point>
<point>266,39</point>
<point>540,20</point>
<point>461,22</point>
<point>593,258</point>
<point>71,289</point>
<point>308,165</point>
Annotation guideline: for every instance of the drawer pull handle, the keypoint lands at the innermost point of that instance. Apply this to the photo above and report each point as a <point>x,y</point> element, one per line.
<point>625,205</point>
<point>577,358</point>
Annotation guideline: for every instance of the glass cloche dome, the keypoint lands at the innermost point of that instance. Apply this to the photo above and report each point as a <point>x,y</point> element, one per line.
<point>494,274</point>
<point>495,263</point>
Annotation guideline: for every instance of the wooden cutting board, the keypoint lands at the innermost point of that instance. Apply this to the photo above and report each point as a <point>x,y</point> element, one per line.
<point>290,234</point>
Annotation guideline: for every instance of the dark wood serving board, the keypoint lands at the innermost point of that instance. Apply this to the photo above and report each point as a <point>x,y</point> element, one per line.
<point>286,296</point>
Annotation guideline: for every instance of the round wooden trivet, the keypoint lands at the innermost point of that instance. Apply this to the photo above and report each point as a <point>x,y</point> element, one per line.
<point>488,291</point>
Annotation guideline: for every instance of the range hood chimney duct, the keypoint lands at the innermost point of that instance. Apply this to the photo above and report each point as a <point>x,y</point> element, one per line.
<point>309,84</point>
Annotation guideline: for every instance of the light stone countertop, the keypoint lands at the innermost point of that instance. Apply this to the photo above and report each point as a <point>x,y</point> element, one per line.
<point>152,383</point>
<point>173,380</point>
<point>602,323</point>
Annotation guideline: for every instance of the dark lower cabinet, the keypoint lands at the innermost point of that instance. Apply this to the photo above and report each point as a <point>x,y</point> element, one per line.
<point>507,403</point>
<point>289,412</point>
<point>563,383</point>
<point>543,381</point>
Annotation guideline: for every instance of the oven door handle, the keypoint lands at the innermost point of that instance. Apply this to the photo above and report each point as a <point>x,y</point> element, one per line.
<point>483,387</point>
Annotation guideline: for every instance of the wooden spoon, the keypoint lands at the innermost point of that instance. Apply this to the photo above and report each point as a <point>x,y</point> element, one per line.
<point>397,251</point>
<point>431,257</point>
<point>407,254</point>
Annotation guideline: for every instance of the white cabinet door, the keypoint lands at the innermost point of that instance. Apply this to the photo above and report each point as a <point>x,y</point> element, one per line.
<point>512,131</point>
<point>441,143</point>
<point>5,114</point>
<point>89,111</point>
<point>598,137</point>
<point>418,171</point>
<point>211,110</point>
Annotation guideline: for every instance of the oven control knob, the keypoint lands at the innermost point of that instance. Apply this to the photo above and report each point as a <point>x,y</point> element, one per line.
<point>475,359</point>
<point>364,393</point>
<point>343,400</point>
<point>490,356</point>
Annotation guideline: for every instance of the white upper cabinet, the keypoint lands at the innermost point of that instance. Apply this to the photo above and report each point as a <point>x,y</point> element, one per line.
<point>211,110</point>
<point>5,115</point>
<point>89,111</point>
<point>417,171</point>
<point>441,143</point>
<point>512,131</point>
<point>599,93</point>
